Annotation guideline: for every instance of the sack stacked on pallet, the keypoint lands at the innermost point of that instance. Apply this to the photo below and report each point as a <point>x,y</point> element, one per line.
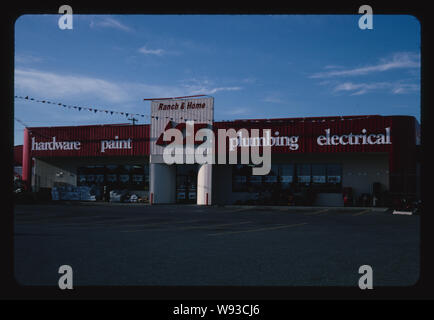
<point>81,193</point>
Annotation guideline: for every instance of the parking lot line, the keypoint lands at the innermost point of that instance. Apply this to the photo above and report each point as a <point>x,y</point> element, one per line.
<point>240,210</point>
<point>126,220</point>
<point>96,223</point>
<point>156,224</point>
<point>53,218</point>
<point>260,229</point>
<point>288,209</point>
<point>316,212</point>
<point>73,223</point>
<point>362,212</point>
<point>213,225</point>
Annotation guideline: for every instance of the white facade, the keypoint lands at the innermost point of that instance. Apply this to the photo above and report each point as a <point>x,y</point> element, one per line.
<point>171,113</point>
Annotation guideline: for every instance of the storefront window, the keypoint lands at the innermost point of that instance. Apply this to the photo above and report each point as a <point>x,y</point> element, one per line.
<point>129,177</point>
<point>137,178</point>
<point>286,174</point>
<point>334,173</point>
<point>127,168</point>
<point>111,177</point>
<point>256,180</point>
<point>240,175</point>
<point>271,177</point>
<point>304,173</point>
<point>323,177</point>
<point>145,184</point>
<point>124,178</point>
<point>319,173</point>
<point>112,167</point>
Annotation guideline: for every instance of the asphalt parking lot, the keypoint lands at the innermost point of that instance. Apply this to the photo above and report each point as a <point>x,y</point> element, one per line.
<point>168,245</point>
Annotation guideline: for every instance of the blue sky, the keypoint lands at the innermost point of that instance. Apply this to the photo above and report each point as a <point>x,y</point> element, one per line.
<point>255,66</point>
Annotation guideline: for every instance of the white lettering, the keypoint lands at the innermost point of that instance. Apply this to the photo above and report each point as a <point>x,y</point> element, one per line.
<point>370,139</point>
<point>321,140</point>
<point>34,144</point>
<point>353,139</point>
<point>55,145</point>
<point>328,136</point>
<point>365,21</point>
<point>388,136</point>
<point>115,144</point>
<point>364,136</point>
<point>335,140</point>
<point>65,281</point>
<point>65,21</point>
<point>341,140</point>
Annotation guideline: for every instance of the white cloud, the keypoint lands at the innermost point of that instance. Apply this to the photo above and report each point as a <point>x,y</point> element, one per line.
<point>215,90</point>
<point>332,67</point>
<point>400,60</point>
<point>402,88</point>
<point>205,86</point>
<point>362,88</point>
<point>273,98</point>
<point>109,22</point>
<point>157,52</point>
<point>26,58</point>
<point>249,80</point>
<point>52,85</point>
<point>208,90</point>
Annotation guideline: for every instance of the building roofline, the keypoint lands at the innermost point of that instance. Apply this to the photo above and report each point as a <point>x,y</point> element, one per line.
<point>298,119</point>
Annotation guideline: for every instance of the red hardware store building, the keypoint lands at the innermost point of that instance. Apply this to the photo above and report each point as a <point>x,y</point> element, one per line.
<point>356,156</point>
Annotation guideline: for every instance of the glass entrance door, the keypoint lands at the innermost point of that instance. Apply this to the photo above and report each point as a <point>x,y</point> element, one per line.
<point>186,180</point>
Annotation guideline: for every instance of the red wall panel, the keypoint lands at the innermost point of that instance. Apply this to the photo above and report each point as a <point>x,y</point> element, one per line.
<point>402,130</point>
<point>308,130</point>
<point>91,139</point>
<point>402,150</point>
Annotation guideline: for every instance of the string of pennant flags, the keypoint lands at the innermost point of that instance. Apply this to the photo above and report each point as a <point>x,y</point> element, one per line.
<point>186,117</point>
<point>79,108</point>
<point>95,110</point>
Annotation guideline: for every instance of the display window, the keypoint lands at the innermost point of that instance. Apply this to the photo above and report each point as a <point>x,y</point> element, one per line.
<point>286,175</point>
<point>112,167</point>
<point>304,173</point>
<point>319,172</point>
<point>272,176</point>
<point>322,177</point>
<point>334,173</point>
<point>111,177</point>
<point>124,178</point>
<point>240,177</point>
<point>138,178</point>
<point>255,180</point>
<point>130,177</point>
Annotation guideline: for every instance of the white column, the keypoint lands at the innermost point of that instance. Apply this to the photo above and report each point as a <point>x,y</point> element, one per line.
<point>162,183</point>
<point>204,184</point>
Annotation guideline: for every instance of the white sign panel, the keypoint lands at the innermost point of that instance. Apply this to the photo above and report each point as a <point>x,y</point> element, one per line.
<point>170,113</point>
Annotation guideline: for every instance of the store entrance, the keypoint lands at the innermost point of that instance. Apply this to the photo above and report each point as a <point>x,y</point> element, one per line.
<point>186,183</point>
